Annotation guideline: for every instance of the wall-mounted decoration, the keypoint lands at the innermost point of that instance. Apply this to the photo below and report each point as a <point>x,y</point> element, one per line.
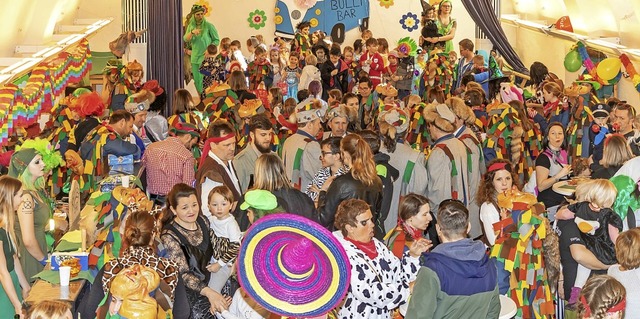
<point>257,19</point>
<point>386,3</point>
<point>334,17</point>
<point>410,21</point>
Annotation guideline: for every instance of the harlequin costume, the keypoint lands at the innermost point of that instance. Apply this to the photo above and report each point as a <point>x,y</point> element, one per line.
<point>300,45</point>
<point>507,139</point>
<point>96,147</point>
<point>260,73</point>
<point>579,117</point>
<point>518,249</point>
<point>418,133</point>
<point>438,73</point>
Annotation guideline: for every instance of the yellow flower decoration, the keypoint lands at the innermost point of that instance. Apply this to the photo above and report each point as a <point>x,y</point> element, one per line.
<point>278,19</point>
<point>206,5</point>
<point>314,22</point>
<point>386,3</point>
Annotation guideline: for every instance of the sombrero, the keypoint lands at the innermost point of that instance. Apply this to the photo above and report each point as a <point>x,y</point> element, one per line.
<point>292,266</point>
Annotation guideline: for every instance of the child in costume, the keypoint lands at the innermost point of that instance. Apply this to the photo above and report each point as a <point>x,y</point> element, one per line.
<point>291,75</point>
<point>594,134</point>
<point>553,110</point>
<point>277,63</point>
<point>211,68</point>
<point>598,223</point>
<point>403,75</point>
<point>301,43</point>
<point>260,71</point>
<point>223,224</point>
<point>310,72</point>
<point>372,62</point>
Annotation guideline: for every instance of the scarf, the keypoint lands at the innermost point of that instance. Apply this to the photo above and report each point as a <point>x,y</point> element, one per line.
<point>409,230</point>
<point>368,249</point>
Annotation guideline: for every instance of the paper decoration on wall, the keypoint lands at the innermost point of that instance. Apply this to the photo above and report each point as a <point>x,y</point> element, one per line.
<point>306,3</point>
<point>410,21</point>
<point>257,19</point>
<point>206,5</point>
<point>564,23</point>
<point>386,3</point>
<point>334,17</point>
<point>20,106</point>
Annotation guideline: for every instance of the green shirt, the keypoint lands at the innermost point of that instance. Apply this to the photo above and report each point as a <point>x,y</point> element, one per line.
<point>199,43</point>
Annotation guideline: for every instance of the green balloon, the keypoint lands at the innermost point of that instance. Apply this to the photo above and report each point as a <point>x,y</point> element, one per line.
<point>572,61</point>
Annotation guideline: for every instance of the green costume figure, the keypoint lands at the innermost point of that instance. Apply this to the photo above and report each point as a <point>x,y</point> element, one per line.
<point>199,34</point>
<point>446,29</point>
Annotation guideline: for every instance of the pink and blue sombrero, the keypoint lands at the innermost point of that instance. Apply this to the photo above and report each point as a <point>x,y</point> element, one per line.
<point>292,266</point>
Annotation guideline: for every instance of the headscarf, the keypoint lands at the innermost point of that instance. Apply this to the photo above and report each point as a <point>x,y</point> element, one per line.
<point>20,160</point>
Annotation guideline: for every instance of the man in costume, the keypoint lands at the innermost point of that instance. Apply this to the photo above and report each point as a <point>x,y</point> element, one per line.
<point>447,164</point>
<point>199,34</point>
<point>301,151</point>
<point>216,168</point>
<point>103,141</point>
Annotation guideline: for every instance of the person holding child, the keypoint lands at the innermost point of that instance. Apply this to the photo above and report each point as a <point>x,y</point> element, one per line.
<point>224,225</point>
<point>598,224</point>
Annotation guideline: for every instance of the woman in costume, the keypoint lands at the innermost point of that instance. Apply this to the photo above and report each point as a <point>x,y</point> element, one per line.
<point>190,242</point>
<point>552,166</point>
<point>139,239</point>
<point>31,164</point>
<point>414,217</point>
<point>14,283</point>
<point>446,26</point>
<point>498,179</point>
<point>379,280</point>
<point>361,182</point>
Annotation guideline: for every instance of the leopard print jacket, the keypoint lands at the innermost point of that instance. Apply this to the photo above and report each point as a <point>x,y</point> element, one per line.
<point>166,269</point>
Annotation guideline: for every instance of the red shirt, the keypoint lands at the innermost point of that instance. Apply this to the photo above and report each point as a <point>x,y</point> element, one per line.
<point>168,163</point>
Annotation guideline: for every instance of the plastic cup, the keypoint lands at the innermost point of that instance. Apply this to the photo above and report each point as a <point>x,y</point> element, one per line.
<point>125,180</point>
<point>64,292</point>
<point>65,274</point>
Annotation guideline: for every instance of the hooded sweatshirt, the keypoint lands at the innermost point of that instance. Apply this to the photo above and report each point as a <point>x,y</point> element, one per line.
<point>457,280</point>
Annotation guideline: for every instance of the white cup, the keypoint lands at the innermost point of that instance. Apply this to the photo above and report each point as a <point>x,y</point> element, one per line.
<point>125,180</point>
<point>64,292</point>
<point>65,274</point>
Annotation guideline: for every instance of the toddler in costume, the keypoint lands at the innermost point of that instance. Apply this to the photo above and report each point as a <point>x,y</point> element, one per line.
<point>598,223</point>
<point>223,224</point>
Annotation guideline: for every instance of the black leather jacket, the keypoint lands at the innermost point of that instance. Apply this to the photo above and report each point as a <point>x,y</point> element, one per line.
<point>346,187</point>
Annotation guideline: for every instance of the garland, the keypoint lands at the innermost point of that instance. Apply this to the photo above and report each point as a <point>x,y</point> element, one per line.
<point>20,106</point>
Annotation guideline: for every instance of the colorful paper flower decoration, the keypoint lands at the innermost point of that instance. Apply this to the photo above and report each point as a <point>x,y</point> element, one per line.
<point>306,3</point>
<point>257,19</point>
<point>206,5</point>
<point>386,3</point>
<point>410,21</point>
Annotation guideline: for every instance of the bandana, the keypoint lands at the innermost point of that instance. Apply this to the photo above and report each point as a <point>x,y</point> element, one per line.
<point>413,232</point>
<point>368,249</point>
<point>497,166</point>
<point>188,128</point>
<point>207,144</point>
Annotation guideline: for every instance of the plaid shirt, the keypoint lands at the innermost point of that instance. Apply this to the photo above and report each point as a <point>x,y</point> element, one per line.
<point>168,163</point>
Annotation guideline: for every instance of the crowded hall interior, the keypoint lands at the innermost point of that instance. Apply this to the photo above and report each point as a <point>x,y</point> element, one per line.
<point>339,159</point>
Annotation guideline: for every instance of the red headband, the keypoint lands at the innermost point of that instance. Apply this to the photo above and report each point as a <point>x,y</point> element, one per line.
<point>615,308</point>
<point>497,166</point>
<point>207,144</point>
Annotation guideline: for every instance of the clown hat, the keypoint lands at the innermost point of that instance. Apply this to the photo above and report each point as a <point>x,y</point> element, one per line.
<point>293,267</point>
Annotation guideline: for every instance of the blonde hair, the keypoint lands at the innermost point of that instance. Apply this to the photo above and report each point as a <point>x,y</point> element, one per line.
<point>311,59</point>
<point>50,309</point>
<point>628,249</point>
<point>363,168</point>
<point>553,88</point>
<point>601,293</point>
<point>600,192</point>
<point>270,174</point>
<point>9,187</point>
<point>616,151</point>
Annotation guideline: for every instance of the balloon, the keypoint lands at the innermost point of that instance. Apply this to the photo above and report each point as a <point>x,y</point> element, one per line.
<point>608,68</point>
<point>615,80</point>
<point>572,61</point>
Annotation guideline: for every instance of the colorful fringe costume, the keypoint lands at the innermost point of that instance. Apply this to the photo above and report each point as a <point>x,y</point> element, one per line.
<point>438,73</point>
<point>418,134</point>
<point>518,249</point>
